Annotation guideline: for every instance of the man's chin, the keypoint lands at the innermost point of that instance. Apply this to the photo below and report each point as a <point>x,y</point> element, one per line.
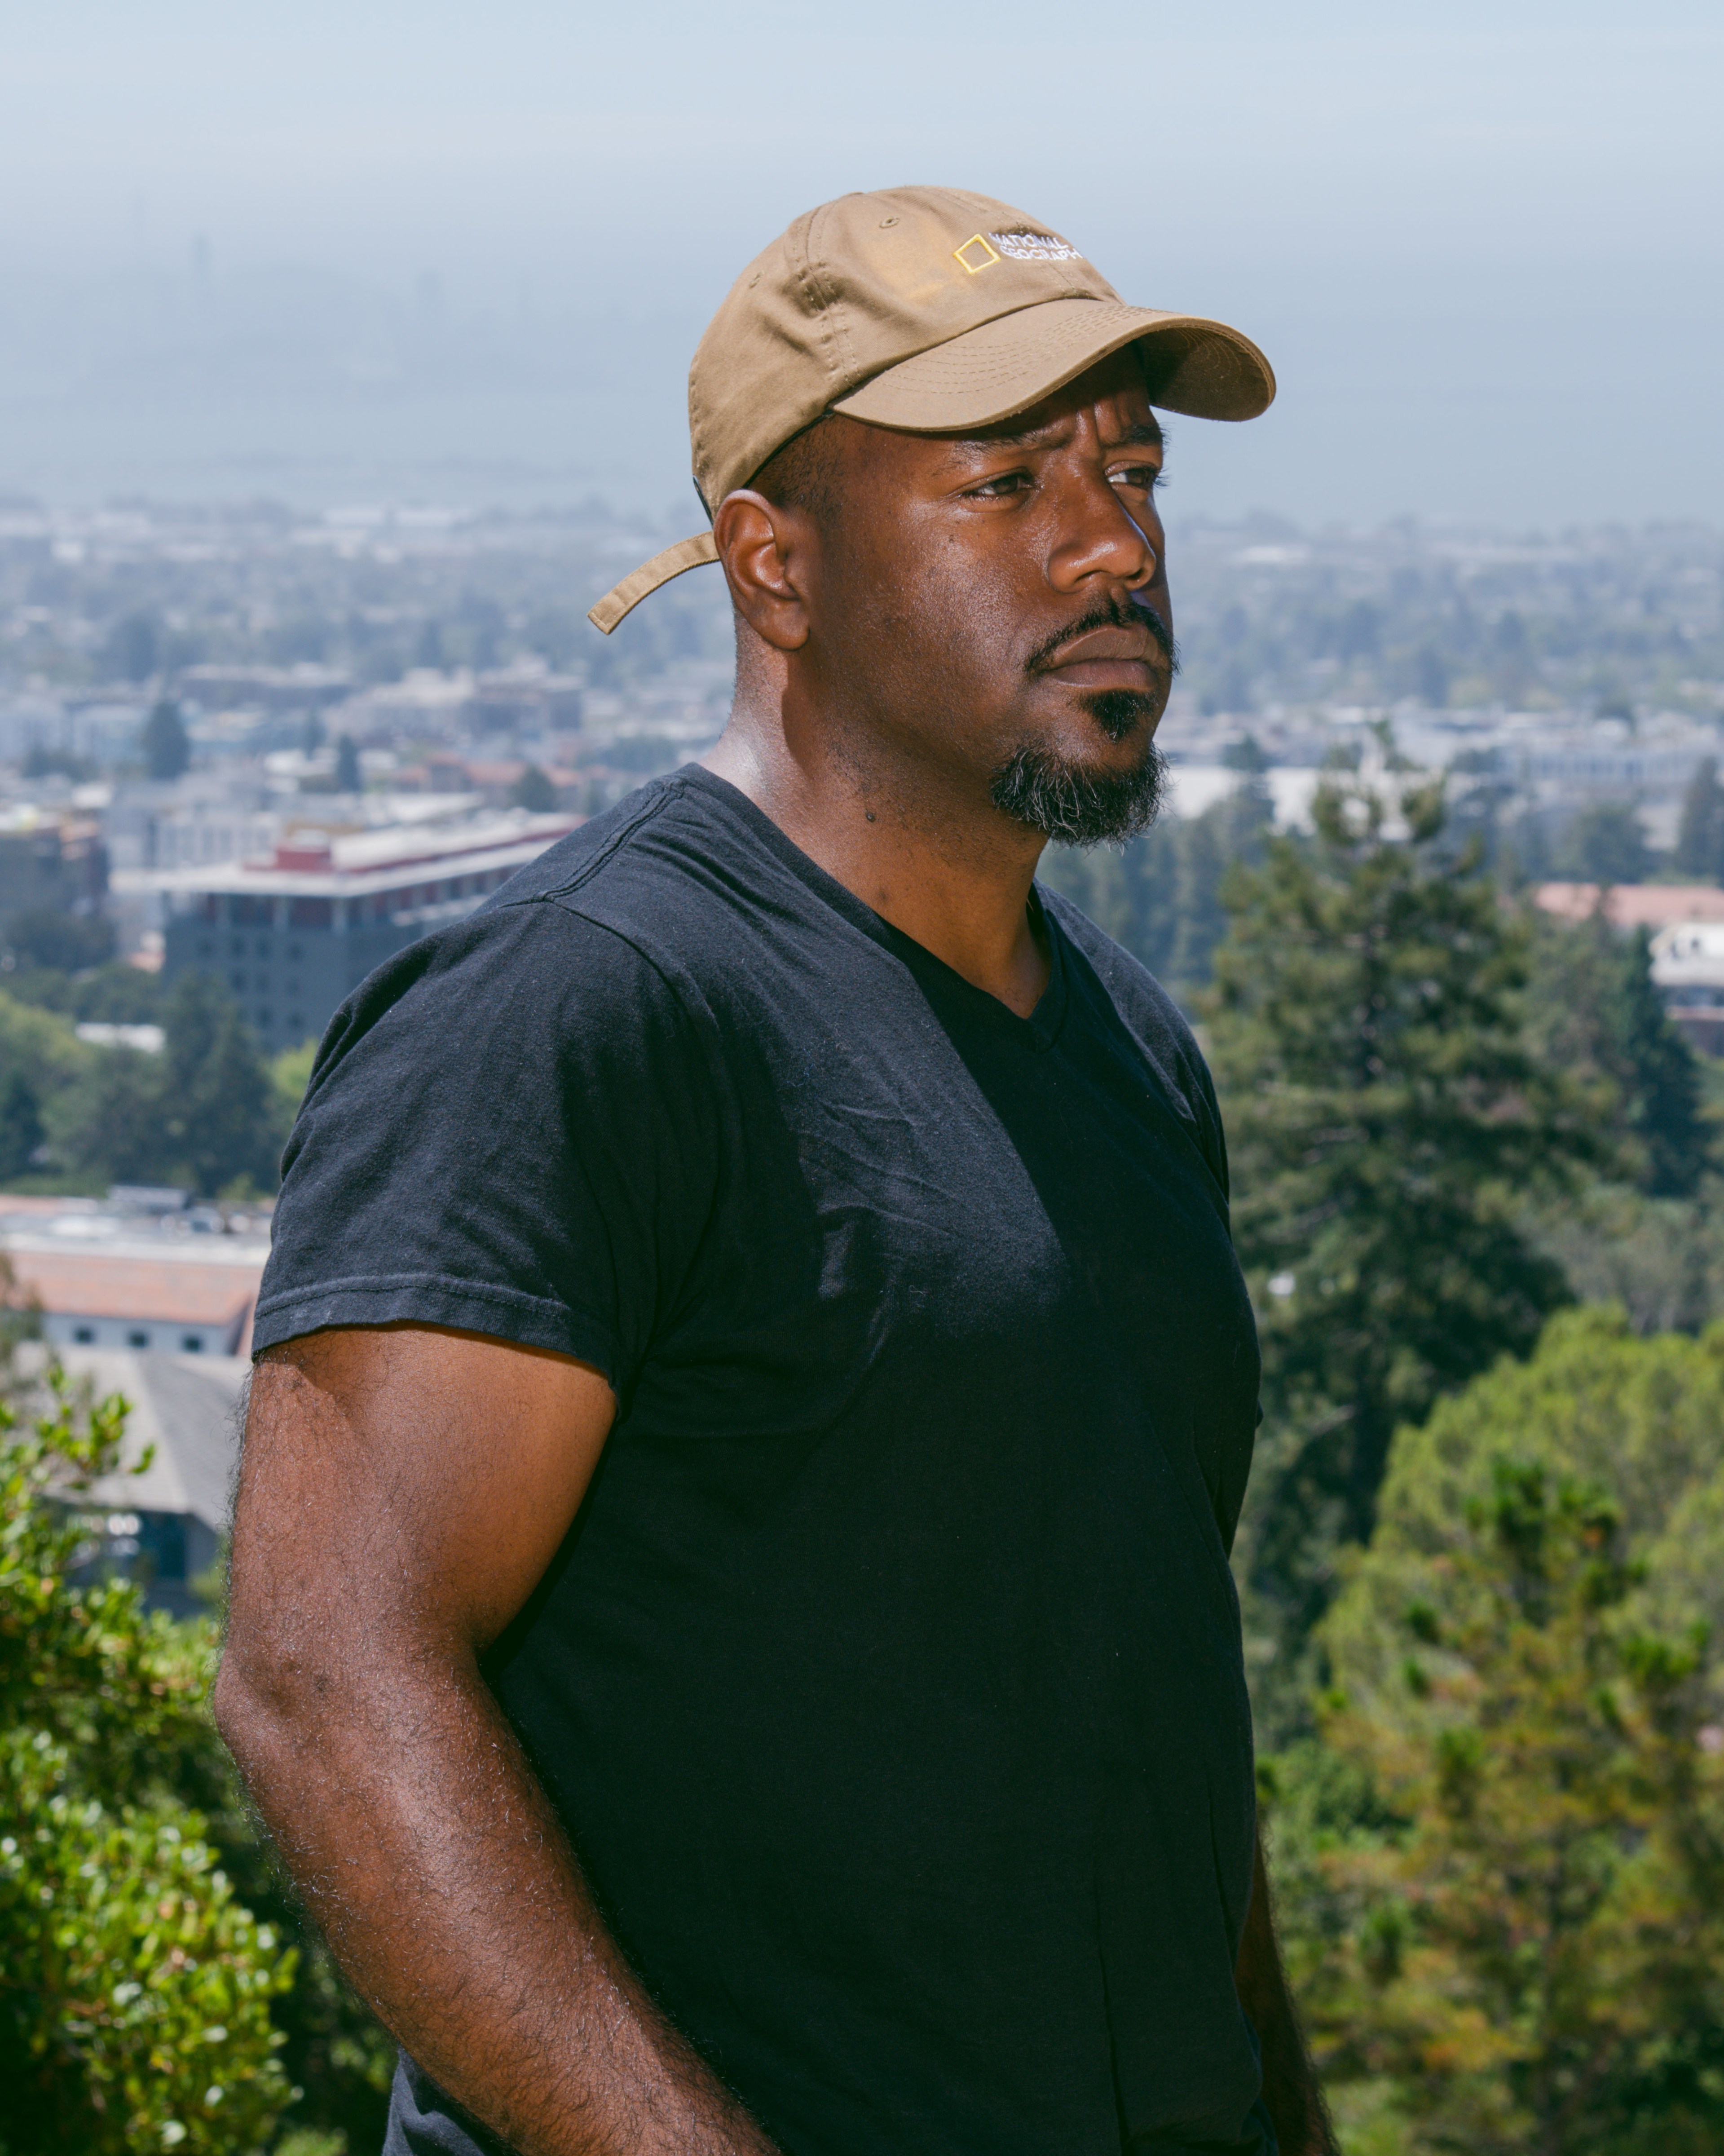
<point>1079,804</point>
<point>1120,712</point>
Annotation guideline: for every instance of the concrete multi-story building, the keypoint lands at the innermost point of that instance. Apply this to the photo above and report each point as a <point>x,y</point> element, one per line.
<point>292,936</point>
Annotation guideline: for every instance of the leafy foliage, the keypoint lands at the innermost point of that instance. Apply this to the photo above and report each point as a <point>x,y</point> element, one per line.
<point>166,745</point>
<point>1161,895</point>
<point>20,1130</point>
<point>135,2011</point>
<point>1595,1012</point>
<point>534,791</point>
<point>65,942</point>
<point>1604,844</point>
<point>204,1112</point>
<point>1700,833</point>
<point>1386,1123</point>
<point>1502,1870</point>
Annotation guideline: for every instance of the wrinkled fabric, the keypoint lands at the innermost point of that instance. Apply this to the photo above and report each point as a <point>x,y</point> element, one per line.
<point>888,1682</point>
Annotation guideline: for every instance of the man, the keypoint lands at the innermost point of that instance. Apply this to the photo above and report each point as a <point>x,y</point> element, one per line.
<point>730,1624</point>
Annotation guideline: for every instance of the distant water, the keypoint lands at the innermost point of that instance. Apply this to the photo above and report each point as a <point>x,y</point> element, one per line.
<point>466,449</point>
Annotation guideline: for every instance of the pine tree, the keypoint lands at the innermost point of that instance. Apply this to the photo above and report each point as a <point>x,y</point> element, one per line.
<point>1605,843</point>
<point>533,791</point>
<point>1595,1012</point>
<point>349,777</point>
<point>164,742</point>
<point>21,1131</point>
<point>1700,834</point>
<point>220,1120</point>
<point>1502,1873</point>
<point>1386,1124</point>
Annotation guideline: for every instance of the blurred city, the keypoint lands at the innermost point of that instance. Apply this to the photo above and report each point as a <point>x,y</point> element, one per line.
<point>342,367</point>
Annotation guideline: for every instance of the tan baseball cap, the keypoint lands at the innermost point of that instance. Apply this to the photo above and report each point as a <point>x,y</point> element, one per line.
<point>929,310</point>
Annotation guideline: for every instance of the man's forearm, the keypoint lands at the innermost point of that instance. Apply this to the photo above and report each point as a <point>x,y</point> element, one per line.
<point>425,1848</point>
<point>1291,2092</point>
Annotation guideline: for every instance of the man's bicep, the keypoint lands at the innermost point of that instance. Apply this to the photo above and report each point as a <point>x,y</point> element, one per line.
<point>410,1475</point>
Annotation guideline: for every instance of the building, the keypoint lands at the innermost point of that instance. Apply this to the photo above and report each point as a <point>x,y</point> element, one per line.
<point>293,936</point>
<point>1688,971</point>
<point>1685,949</point>
<point>163,1527</point>
<point>1655,906</point>
<point>281,691</point>
<point>50,862</point>
<point>177,1282</point>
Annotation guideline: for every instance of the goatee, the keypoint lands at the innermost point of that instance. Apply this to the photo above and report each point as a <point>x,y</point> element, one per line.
<point>1075,805</point>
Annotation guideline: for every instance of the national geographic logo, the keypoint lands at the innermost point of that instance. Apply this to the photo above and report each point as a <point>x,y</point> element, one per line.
<point>983,249</point>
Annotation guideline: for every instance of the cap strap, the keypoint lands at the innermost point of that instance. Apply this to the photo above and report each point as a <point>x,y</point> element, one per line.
<point>687,554</point>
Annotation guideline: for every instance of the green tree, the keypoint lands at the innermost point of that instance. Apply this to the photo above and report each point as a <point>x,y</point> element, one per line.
<point>349,777</point>
<point>1700,834</point>
<point>1386,1124</point>
<point>220,1122</point>
<point>1593,1012</point>
<point>109,1125</point>
<point>115,993</point>
<point>21,1129</point>
<point>43,1046</point>
<point>534,791</point>
<point>203,1114</point>
<point>135,2012</point>
<point>1605,843</point>
<point>167,746</point>
<point>1502,1873</point>
<point>289,1074</point>
<point>1161,895</point>
<point>62,942</point>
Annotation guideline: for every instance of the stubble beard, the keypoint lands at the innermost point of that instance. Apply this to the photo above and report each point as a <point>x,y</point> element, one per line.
<point>1073,804</point>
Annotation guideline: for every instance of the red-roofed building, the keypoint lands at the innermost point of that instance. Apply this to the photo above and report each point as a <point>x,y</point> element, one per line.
<point>1652,905</point>
<point>103,1284</point>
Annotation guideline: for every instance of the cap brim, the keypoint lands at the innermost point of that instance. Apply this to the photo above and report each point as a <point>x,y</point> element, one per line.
<point>1010,364</point>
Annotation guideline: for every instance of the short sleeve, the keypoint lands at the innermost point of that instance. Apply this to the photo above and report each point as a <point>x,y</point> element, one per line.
<point>508,1130</point>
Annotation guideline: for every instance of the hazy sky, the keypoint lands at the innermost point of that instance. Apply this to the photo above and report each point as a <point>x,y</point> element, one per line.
<point>1482,243</point>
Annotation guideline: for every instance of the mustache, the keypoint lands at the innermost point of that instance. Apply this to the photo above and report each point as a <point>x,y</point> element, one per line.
<point>1108,613</point>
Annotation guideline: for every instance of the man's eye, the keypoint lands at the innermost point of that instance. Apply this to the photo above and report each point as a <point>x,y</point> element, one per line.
<point>1005,483</point>
<point>1146,477</point>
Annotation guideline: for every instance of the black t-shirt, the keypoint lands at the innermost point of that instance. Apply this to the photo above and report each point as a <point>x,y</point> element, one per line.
<point>890,1680</point>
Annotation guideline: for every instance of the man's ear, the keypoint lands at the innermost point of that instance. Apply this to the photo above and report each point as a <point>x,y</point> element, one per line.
<point>765,552</point>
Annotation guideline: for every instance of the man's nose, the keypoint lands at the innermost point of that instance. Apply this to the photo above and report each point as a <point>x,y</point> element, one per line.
<point>1099,537</point>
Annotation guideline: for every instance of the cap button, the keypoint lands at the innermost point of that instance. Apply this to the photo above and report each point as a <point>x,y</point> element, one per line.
<point>885,222</point>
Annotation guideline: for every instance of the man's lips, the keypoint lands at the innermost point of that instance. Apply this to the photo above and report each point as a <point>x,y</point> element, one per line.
<point>1112,658</point>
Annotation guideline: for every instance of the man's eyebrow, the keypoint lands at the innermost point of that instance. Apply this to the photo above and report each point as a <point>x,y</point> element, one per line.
<point>1143,434</point>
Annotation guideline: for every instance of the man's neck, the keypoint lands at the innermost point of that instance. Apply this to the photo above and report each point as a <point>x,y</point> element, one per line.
<point>950,871</point>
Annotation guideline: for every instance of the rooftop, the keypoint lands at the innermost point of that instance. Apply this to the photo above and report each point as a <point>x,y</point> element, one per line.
<point>1634,905</point>
<point>187,1407</point>
<point>312,863</point>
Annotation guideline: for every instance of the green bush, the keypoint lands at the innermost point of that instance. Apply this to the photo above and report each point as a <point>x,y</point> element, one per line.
<point>135,1999</point>
<point>1501,1867</point>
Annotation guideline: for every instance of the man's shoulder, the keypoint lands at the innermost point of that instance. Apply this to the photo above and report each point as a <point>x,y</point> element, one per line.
<point>571,949</point>
<point>607,852</point>
<point>618,888</point>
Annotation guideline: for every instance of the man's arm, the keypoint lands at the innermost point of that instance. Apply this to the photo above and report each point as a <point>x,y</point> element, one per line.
<point>1290,2093</point>
<point>403,1491</point>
